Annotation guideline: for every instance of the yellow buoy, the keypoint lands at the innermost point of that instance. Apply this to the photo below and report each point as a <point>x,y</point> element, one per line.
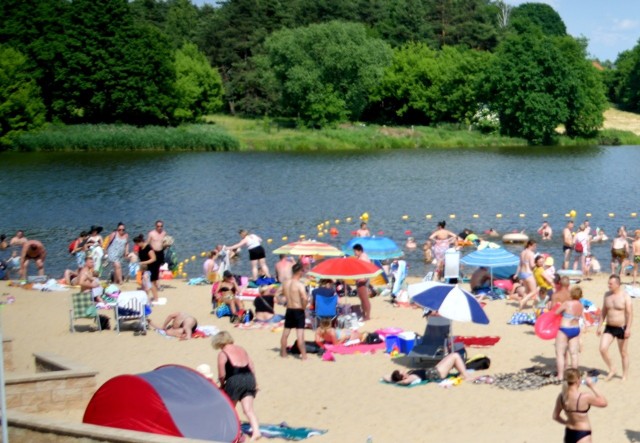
<point>193,257</point>
<point>634,214</point>
<point>611,214</point>
<point>302,235</point>
<point>285,238</point>
<point>567,215</point>
<point>337,222</point>
<point>326,222</point>
<point>405,217</point>
<point>521,215</point>
<point>476,216</point>
<point>498,215</point>
<point>452,216</point>
<point>365,216</point>
<point>269,240</point>
<point>545,215</point>
<point>202,254</point>
<point>184,275</point>
<point>588,214</point>
<point>348,219</point>
<point>428,216</point>
<point>572,213</point>
<point>320,234</point>
<point>186,261</point>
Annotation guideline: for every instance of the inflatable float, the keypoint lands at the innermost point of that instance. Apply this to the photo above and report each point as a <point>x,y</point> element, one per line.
<point>515,237</point>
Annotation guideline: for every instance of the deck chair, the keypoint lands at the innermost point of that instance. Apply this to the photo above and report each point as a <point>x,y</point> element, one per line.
<point>132,310</point>
<point>436,343</point>
<point>452,265</point>
<point>326,306</point>
<point>83,306</point>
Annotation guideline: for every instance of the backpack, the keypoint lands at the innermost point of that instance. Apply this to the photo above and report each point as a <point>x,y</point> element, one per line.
<point>578,247</point>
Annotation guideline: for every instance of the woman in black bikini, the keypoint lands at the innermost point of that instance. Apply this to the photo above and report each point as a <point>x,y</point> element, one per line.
<point>227,291</point>
<point>236,375</point>
<point>575,405</point>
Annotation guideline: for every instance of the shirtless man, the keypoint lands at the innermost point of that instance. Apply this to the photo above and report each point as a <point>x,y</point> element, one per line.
<point>19,239</point>
<point>567,244</point>
<point>283,268</point>
<point>86,277</point>
<point>545,231</point>
<point>617,313</point>
<point>619,251</point>
<point>32,250</point>
<point>178,324</point>
<point>363,285</point>
<point>363,231</point>
<point>636,255</point>
<point>155,239</point>
<point>294,318</point>
<point>525,272</point>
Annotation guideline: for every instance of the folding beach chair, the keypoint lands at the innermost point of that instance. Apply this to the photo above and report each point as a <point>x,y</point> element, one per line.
<point>134,309</point>
<point>436,343</point>
<point>83,306</point>
<point>326,306</point>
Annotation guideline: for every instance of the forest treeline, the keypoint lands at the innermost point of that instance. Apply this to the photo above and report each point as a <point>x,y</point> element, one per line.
<point>479,64</point>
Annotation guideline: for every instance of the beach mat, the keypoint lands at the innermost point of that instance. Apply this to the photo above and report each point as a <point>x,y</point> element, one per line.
<point>477,342</point>
<point>355,349</point>
<point>283,431</point>
<point>413,385</point>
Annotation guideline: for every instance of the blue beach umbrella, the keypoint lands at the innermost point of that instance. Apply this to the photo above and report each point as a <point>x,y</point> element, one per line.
<point>377,248</point>
<point>491,258</point>
<point>451,301</point>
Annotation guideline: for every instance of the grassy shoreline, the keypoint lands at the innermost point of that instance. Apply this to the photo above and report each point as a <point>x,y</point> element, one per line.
<point>227,133</point>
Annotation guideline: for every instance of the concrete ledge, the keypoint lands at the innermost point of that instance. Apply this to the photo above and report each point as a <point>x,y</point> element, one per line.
<point>28,428</point>
<point>7,350</point>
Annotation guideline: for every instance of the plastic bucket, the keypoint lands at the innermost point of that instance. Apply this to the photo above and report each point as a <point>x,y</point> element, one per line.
<point>390,342</point>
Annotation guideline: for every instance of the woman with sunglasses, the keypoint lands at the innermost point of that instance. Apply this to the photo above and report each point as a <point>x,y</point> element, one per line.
<point>117,251</point>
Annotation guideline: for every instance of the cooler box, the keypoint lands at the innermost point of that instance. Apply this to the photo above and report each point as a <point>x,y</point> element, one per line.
<point>390,341</point>
<point>407,341</point>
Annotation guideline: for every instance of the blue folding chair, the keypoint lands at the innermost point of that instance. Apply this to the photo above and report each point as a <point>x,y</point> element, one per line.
<point>325,307</point>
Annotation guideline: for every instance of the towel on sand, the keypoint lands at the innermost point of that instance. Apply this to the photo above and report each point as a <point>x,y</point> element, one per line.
<point>355,349</point>
<point>284,431</point>
<point>477,342</point>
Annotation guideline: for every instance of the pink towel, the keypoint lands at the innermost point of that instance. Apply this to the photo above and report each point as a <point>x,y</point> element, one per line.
<point>355,349</point>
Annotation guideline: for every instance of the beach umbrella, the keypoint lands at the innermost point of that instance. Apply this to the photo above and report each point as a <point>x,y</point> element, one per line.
<point>344,268</point>
<point>309,247</point>
<point>377,248</point>
<point>451,301</point>
<point>490,258</point>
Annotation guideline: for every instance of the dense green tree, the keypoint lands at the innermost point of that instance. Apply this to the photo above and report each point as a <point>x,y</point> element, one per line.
<point>624,83</point>
<point>36,28</point>
<point>327,70</point>
<point>21,107</point>
<point>530,83</point>
<point>114,70</point>
<point>182,22</point>
<point>425,86</point>
<point>586,100</point>
<point>198,85</point>
<point>464,22</point>
<point>541,15</point>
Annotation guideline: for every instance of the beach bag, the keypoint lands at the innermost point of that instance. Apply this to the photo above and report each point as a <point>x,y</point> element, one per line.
<point>372,338</point>
<point>171,258</point>
<point>223,310</point>
<point>578,247</point>
<point>478,362</point>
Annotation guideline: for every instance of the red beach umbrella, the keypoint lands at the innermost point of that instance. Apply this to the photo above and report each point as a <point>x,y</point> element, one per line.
<point>348,268</point>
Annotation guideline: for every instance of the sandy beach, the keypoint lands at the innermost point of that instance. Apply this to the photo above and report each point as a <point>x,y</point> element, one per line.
<point>345,397</point>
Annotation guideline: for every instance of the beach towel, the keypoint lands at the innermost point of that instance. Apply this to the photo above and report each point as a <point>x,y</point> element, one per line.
<point>477,342</point>
<point>522,318</point>
<point>284,431</point>
<point>412,385</point>
<point>355,349</point>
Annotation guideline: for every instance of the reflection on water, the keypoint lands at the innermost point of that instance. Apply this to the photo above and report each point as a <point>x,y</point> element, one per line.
<point>205,197</point>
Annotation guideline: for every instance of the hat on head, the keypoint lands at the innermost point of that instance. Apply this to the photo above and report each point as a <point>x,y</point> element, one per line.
<point>95,228</point>
<point>548,261</point>
<point>205,370</point>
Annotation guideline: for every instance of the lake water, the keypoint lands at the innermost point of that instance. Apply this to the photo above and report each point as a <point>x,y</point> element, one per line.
<point>204,198</point>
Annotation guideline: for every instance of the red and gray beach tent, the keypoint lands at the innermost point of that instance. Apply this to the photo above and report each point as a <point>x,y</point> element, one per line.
<point>170,400</point>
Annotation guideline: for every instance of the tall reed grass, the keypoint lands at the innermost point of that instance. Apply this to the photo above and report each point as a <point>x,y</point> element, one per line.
<point>127,138</point>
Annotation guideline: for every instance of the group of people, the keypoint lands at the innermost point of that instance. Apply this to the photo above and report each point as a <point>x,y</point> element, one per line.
<point>19,252</point>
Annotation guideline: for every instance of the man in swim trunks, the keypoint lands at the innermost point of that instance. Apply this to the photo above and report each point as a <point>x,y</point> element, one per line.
<point>636,255</point>
<point>435,374</point>
<point>363,285</point>
<point>19,239</point>
<point>155,238</point>
<point>283,268</point>
<point>619,251</point>
<point>32,250</point>
<point>617,314</point>
<point>86,278</point>
<point>567,243</point>
<point>294,318</point>
<point>525,272</point>
<point>178,324</point>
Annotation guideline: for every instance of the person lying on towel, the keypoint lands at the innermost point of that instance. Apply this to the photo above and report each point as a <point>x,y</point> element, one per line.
<point>436,374</point>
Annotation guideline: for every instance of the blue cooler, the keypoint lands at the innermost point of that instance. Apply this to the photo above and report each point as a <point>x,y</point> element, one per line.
<point>407,341</point>
<point>390,341</point>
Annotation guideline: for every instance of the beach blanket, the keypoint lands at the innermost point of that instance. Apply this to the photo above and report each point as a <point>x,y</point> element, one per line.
<point>284,431</point>
<point>477,342</point>
<point>412,385</point>
<point>355,349</point>
<point>259,325</point>
<point>522,318</point>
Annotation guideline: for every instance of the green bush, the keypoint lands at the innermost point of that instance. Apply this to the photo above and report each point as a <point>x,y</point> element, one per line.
<point>127,138</point>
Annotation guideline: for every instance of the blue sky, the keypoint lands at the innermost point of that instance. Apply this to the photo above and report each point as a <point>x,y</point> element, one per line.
<point>611,26</point>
